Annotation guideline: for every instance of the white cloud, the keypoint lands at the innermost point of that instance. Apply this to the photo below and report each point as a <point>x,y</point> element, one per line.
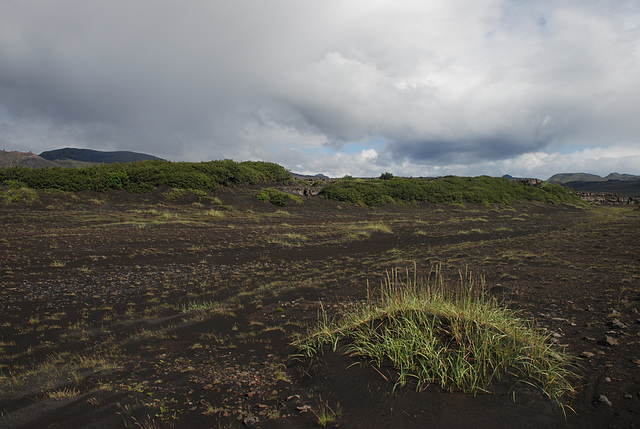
<point>476,85</point>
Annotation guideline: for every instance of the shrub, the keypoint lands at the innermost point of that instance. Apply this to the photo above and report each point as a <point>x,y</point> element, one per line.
<point>144,176</point>
<point>279,198</point>
<point>450,189</point>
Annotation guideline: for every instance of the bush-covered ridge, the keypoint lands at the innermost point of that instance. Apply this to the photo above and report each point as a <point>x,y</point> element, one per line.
<point>450,189</point>
<point>144,176</point>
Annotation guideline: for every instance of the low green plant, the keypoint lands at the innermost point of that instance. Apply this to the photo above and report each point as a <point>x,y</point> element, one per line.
<point>18,191</point>
<point>195,306</point>
<point>325,414</point>
<point>457,338</point>
<point>277,197</point>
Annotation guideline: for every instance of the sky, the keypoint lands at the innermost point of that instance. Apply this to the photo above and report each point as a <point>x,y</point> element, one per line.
<point>334,87</point>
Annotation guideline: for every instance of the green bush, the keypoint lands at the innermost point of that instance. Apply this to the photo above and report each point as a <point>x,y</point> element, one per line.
<point>450,189</point>
<point>144,176</point>
<point>279,198</point>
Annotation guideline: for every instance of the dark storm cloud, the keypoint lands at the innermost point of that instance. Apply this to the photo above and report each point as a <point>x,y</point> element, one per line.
<point>441,82</point>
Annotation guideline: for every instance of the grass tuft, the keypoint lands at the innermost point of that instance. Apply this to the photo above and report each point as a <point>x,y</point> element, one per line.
<point>457,338</point>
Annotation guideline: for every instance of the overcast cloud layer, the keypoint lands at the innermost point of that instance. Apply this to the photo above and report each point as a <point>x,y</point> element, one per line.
<point>417,88</point>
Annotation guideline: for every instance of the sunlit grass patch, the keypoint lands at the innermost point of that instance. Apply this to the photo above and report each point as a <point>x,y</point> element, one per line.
<point>290,239</point>
<point>457,338</point>
<point>66,393</point>
<point>363,230</point>
<point>195,306</point>
<point>56,370</point>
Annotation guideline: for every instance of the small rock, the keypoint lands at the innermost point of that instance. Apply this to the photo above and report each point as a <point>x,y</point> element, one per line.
<point>610,341</point>
<point>604,400</point>
<point>250,421</point>
<point>293,397</point>
<point>587,355</point>
<point>588,338</point>
<point>628,396</point>
<point>636,361</point>
<point>304,408</point>
<point>617,324</point>
<point>607,380</point>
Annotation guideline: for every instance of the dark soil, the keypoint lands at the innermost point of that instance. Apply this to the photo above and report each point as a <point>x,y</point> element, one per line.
<point>152,311</point>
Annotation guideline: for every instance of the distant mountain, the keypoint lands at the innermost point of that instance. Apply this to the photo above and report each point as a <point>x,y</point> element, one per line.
<point>23,159</point>
<point>618,176</point>
<point>561,178</point>
<point>309,176</point>
<point>625,185</point>
<point>95,156</point>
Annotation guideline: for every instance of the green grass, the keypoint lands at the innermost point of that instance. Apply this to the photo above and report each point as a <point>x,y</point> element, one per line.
<point>325,414</point>
<point>277,197</point>
<point>457,338</point>
<point>195,306</point>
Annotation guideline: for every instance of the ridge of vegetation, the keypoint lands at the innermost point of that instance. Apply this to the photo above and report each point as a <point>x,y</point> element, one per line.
<point>144,176</point>
<point>449,189</point>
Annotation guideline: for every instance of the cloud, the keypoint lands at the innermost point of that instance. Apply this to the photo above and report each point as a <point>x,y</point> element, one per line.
<point>481,84</point>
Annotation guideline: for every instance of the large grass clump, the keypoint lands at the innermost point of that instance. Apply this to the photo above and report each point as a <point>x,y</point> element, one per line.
<point>458,338</point>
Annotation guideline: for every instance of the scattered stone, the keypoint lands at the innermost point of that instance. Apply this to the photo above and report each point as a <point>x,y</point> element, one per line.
<point>628,396</point>
<point>605,400</point>
<point>250,421</point>
<point>607,379</point>
<point>617,324</point>
<point>636,361</point>
<point>610,341</point>
<point>587,355</point>
<point>588,338</point>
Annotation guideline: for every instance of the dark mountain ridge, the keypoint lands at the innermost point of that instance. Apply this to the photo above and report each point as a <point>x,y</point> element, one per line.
<point>95,156</point>
<point>562,178</point>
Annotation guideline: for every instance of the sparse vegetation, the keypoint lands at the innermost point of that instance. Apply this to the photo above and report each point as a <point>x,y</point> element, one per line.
<point>151,309</point>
